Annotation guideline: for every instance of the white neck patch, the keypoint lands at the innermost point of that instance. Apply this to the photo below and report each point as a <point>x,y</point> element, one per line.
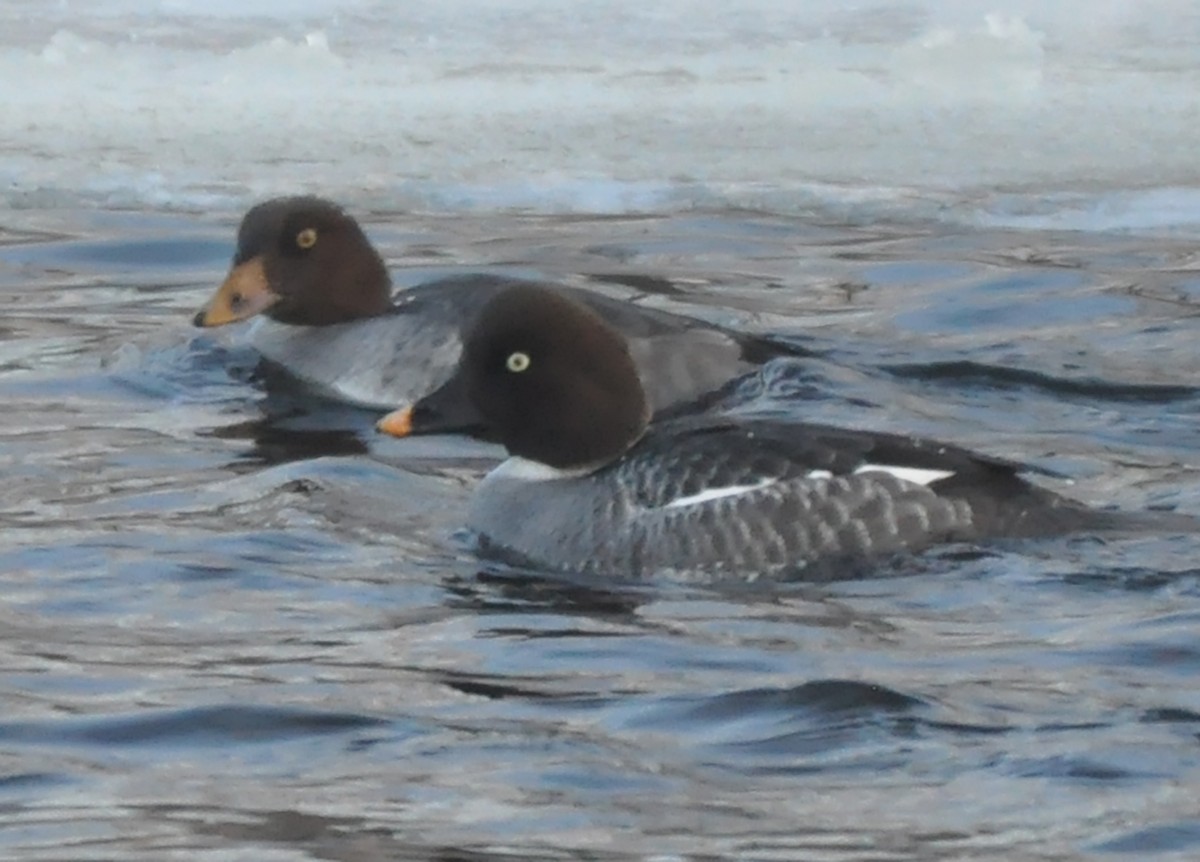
<point>526,470</point>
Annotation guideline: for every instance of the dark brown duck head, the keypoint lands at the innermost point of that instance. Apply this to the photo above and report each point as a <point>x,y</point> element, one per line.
<point>545,376</point>
<point>303,261</point>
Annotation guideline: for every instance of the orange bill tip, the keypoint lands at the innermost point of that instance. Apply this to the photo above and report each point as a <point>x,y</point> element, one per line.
<point>398,423</point>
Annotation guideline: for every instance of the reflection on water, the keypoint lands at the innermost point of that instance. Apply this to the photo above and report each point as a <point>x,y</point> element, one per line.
<point>235,620</point>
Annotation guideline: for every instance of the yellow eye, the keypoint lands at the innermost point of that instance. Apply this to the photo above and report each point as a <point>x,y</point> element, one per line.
<point>307,238</point>
<point>517,362</point>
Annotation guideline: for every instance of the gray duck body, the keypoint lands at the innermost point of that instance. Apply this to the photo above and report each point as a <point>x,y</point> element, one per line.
<point>397,357</point>
<point>707,496</point>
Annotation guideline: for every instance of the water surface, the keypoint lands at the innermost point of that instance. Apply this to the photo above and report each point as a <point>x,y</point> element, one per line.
<point>236,624</point>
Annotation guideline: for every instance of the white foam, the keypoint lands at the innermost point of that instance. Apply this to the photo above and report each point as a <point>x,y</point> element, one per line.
<point>1018,112</point>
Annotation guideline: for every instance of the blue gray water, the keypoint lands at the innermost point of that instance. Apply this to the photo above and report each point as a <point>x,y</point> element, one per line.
<point>235,625</point>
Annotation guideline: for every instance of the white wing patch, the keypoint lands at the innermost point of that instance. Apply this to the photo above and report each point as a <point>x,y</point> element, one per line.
<point>908,474</point>
<point>717,493</point>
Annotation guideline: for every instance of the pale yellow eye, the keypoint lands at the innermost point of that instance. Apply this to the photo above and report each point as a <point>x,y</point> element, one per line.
<point>307,238</point>
<point>517,362</point>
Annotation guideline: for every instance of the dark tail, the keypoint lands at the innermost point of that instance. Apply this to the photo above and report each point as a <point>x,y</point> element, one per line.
<point>1024,510</point>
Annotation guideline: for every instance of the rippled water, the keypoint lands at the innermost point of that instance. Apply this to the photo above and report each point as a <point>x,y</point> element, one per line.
<point>239,626</point>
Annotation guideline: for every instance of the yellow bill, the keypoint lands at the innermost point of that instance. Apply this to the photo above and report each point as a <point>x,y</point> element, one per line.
<point>244,294</point>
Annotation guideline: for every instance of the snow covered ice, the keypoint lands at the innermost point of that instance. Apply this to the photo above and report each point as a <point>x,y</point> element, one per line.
<point>1075,114</point>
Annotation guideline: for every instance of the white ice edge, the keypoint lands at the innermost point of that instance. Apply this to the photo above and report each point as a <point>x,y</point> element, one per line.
<point>1005,113</point>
